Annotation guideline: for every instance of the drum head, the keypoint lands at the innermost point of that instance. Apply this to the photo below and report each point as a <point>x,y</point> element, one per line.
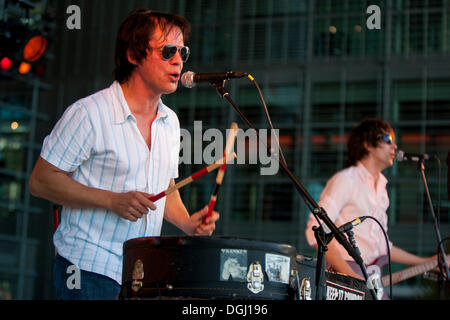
<point>207,268</point>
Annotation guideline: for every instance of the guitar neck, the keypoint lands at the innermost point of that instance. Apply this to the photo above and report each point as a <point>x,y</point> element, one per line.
<point>409,273</point>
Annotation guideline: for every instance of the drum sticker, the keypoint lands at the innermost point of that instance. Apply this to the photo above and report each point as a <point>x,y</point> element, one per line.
<point>233,265</point>
<point>255,278</point>
<point>339,292</point>
<point>138,275</point>
<point>277,268</point>
<point>305,289</point>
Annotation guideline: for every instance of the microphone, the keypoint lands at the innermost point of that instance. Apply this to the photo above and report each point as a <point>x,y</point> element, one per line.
<point>189,79</point>
<point>349,225</point>
<point>402,156</point>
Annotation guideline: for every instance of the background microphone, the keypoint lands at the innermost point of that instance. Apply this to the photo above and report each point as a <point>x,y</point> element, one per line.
<point>402,156</point>
<point>349,225</point>
<point>189,79</point>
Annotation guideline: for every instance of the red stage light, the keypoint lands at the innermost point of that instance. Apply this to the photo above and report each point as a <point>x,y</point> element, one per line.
<point>34,48</point>
<point>22,44</point>
<point>5,64</point>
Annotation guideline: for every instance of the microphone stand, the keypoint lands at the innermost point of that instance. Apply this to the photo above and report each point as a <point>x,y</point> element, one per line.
<point>421,167</point>
<point>322,239</point>
<point>317,211</point>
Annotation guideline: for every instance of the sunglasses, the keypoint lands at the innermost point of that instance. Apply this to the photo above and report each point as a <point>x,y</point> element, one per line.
<point>386,138</point>
<point>169,51</point>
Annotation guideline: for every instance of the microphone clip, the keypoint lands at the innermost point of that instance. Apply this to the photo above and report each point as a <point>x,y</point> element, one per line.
<point>219,85</point>
<point>351,239</point>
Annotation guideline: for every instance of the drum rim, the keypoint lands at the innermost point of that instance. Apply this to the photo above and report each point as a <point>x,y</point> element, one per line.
<point>214,241</point>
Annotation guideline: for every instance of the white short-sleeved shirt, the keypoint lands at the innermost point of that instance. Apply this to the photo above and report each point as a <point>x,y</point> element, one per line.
<point>349,194</point>
<point>97,140</point>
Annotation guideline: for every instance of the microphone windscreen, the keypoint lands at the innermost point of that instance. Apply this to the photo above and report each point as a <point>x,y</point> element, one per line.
<point>187,79</point>
<point>400,156</point>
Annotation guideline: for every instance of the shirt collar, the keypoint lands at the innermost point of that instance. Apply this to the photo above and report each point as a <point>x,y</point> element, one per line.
<point>121,109</point>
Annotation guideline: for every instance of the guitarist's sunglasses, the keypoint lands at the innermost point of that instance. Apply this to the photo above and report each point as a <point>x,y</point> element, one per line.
<point>386,138</point>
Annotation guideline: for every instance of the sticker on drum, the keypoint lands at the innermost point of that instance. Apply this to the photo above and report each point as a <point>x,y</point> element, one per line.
<point>233,265</point>
<point>255,278</point>
<point>278,268</point>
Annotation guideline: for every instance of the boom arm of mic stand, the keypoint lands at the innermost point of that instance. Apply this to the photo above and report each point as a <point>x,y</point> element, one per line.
<point>317,211</point>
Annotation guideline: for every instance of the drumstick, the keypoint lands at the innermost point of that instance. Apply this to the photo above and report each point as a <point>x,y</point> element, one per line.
<point>195,176</point>
<point>186,181</point>
<point>221,172</point>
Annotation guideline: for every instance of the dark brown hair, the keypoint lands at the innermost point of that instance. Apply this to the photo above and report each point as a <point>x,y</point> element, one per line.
<point>367,131</point>
<point>135,33</point>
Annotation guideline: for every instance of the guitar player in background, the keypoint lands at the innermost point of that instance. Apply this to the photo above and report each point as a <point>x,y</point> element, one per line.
<point>360,190</point>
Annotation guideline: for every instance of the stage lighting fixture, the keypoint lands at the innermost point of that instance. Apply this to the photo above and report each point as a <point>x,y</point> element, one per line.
<point>24,67</point>
<point>20,45</point>
<point>34,48</point>
<point>5,64</point>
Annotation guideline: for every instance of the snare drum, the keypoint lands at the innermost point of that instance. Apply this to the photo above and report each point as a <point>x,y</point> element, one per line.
<point>207,268</point>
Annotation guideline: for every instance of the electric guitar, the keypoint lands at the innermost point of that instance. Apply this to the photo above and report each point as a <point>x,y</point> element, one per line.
<point>410,272</point>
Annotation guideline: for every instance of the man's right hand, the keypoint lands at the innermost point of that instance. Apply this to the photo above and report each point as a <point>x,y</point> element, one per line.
<point>131,205</point>
<point>51,183</point>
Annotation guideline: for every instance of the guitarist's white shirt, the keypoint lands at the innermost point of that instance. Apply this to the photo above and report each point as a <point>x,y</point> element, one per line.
<point>352,193</point>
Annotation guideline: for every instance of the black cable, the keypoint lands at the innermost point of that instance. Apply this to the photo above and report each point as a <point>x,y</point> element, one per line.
<point>268,116</point>
<point>252,79</point>
<point>440,264</point>
<point>388,253</point>
<point>438,216</point>
<point>439,191</point>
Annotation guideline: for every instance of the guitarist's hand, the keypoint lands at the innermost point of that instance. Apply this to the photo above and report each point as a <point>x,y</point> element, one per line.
<point>433,258</point>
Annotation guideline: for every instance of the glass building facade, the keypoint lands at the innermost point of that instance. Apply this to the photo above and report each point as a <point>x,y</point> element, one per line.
<point>321,70</point>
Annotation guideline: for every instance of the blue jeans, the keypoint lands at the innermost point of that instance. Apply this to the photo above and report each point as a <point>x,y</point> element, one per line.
<point>89,286</point>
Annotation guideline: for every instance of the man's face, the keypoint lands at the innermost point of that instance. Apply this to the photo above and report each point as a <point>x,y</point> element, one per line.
<point>384,152</point>
<point>161,76</point>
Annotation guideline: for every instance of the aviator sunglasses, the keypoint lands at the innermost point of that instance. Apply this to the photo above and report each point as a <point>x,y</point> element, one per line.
<point>386,138</point>
<point>169,51</point>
